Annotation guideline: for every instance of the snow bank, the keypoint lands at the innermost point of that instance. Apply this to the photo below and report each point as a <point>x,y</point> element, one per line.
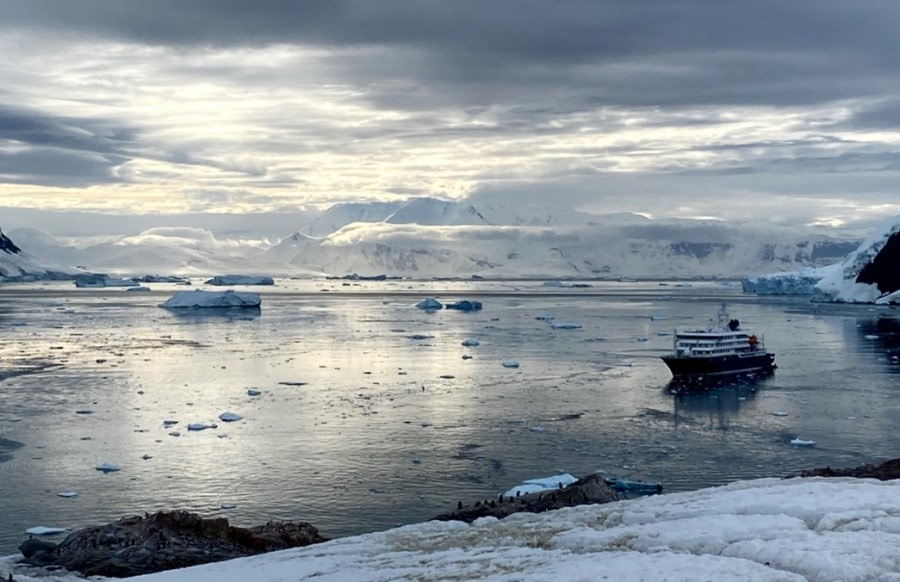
<point>764,530</point>
<point>212,299</point>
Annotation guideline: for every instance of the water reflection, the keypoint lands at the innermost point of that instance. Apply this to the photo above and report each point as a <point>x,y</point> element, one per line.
<point>881,339</point>
<point>717,401</point>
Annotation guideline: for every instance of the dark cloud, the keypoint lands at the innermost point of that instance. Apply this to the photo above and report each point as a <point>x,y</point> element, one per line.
<point>587,51</point>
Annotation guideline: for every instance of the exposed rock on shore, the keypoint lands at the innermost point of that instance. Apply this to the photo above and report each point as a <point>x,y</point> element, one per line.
<point>164,541</point>
<point>885,471</point>
<point>587,490</point>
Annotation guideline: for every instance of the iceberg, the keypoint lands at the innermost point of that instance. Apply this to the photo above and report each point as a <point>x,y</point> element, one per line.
<point>40,530</point>
<point>541,484</point>
<point>104,281</point>
<point>108,467</point>
<point>230,417</point>
<point>470,343</point>
<point>800,282</point>
<point>200,426</point>
<point>240,280</point>
<point>564,325</point>
<point>429,303</point>
<point>212,299</point>
<point>870,274</point>
<point>465,305</point>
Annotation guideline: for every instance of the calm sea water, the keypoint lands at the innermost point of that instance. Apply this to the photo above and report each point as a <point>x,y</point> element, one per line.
<point>361,427</point>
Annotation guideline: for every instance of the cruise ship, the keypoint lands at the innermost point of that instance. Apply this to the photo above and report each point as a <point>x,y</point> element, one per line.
<point>721,349</point>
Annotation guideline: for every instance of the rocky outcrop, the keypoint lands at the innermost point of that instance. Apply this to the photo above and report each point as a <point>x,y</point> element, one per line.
<point>885,471</point>
<point>587,490</point>
<point>163,541</point>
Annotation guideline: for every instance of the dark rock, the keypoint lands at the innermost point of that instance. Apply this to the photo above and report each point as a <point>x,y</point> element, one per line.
<point>36,549</point>
<point>164,541</point>
<point>587,490</point>
<point>885,471</point>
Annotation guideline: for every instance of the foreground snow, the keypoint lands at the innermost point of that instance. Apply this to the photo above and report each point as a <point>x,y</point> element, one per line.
<point>762,530</point>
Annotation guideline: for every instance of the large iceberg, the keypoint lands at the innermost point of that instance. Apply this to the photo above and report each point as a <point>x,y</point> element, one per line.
<point>240,280</point>
<point>870,274</point>
<point>212,299</point>
<point>800,282</point>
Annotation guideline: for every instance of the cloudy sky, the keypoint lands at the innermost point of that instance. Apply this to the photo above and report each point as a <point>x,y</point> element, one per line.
<point>786,111</point>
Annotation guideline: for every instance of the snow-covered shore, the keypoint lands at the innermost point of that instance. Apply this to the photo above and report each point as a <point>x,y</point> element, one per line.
<point>762,530</point>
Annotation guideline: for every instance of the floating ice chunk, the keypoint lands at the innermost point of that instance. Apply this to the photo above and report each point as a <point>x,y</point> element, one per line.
<point>465,305</point>
<point>470,343</point>
<point>657,317</point>
<point>107,467</point>
<point>510,364</point>
<point>544,317</point>
<point>228,505</point>
<point>798,442</point>
<point>40,530</point>
<point>212,299</point>
<point>175,433</point>
<point>779,413</point>
<point>564,325</point>
<point>230,417</point>
<point>641,338</point>
<point>139,289</point>
<point>419,336</point>
<point>537,428</point>
<point>541,484</point>
<point>200,426</point>
<point>429,303</point>
<point>253,392</point>
<point>240,280</point>
<point>871,337</point>
<point>146,456</point>
<point>68,494</point>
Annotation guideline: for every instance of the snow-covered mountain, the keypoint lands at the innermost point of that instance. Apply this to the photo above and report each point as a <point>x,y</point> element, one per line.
<point>424,211</point>
<point>17,264</point>
<point>644,248</point>
<point>428,237</point>
<point>869,274</point>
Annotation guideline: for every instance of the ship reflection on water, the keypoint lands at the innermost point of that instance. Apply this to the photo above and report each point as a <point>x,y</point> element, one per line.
<point>717,400</point>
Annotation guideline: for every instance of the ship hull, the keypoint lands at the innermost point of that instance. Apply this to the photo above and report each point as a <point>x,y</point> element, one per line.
<point>697,368</point>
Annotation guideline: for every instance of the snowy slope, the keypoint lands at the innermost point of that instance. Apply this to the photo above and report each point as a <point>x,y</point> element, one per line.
<point>869,274</point>
<point>766,530</point>
<point>341,215</point>
<point>16,264</point>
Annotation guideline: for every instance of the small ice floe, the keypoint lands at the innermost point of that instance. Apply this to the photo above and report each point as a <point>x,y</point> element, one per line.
<point>419,336</point>
<point>230,417</point>
<point>470,343</point>
<point>40,530</point>
<point>108,467</point>
<point>175,433</point>
<point>657,317</point>
<point>798,442</point>
<point>253,392</point>
<point>871,337</point>
<point>228,506</point>
<point>779,413</point>
<point>67,494</point>
<point>240,280</point>
<point>198,299</point>
<point>633,486</point>
<point>544,317</point>
<point>146,456</point>
<point>564,325</point>
<point>541,484</point>
<point>641,338</point>
<point>200,426</point>
<point>138,289</point>
<point>537,428</point>
<point>510,364</point>
<point>429,304</point>
<point>169,422</point>
<point>465,305</point>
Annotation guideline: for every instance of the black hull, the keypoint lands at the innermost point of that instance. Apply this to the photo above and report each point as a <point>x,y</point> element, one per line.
<point>698,368</point>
